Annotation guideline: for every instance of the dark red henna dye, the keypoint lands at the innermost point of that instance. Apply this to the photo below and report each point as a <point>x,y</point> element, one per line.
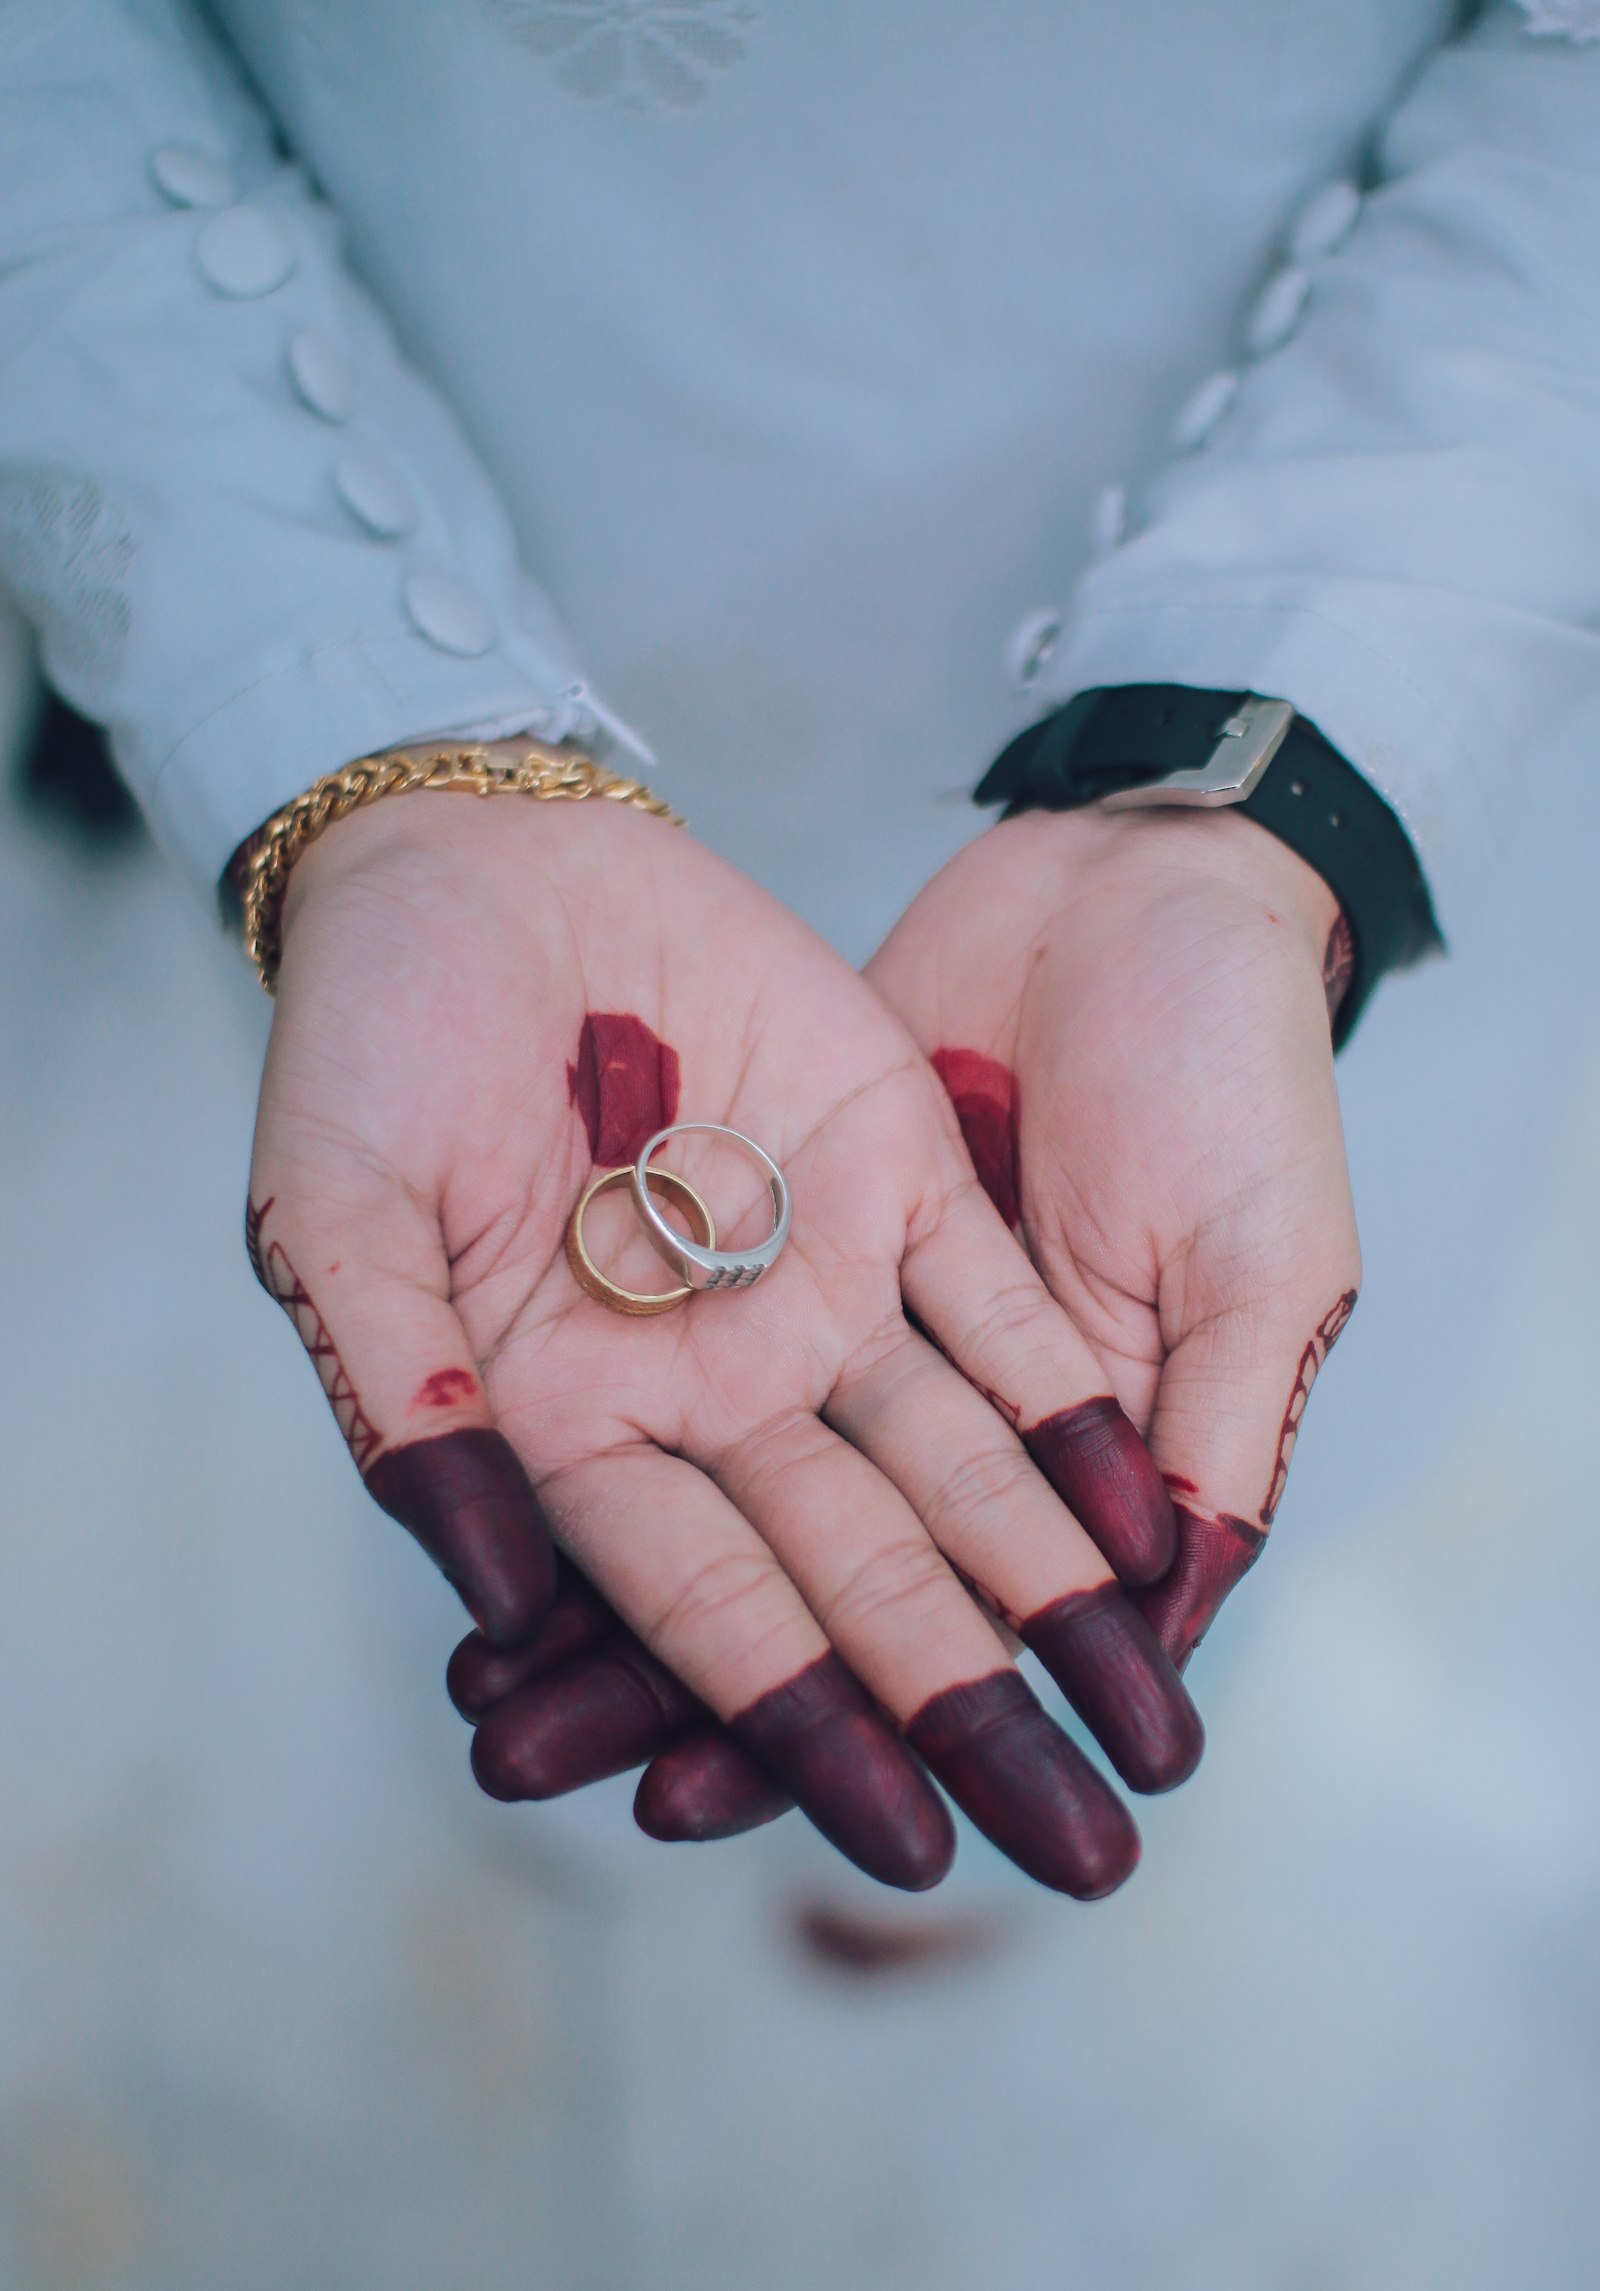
<point>1318,1346</point>
<point>579,1622</point>
<point>984,1094</point>
<point>284,1285</point>
<point>469,1503</point>
<point>1104,1474</point>
<point>1212,1555</point>
<point>447,1388</point>
<point>597,1717</point>
<point>1113,1670</point>
<point>824,1740</point>
<point>1028,1788</point>
<point>624,1083</point>
<point>704,1786</point>
<point>1338,964</point>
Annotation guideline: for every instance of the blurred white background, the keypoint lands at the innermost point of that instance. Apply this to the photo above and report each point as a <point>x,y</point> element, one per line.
<point>283,2002</point>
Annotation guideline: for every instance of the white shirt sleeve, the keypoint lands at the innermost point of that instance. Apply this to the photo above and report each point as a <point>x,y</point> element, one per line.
<point>254,544</point>
<point>1391,517</point>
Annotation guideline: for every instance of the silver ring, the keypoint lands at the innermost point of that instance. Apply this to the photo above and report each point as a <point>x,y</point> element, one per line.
<point>698,1267</point>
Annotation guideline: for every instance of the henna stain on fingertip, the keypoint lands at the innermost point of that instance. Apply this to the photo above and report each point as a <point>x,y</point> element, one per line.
<point>821,1735</point>
<point>984,1095</point>
<point>595,1718</point>
<point>466,1498</point>
<point>1177,1485</point>
<point>447,1388</point>
<point>254,1219</point>
<point>1026,1785</point>
<point>704,1787</point>
<point>1105,1475</point>
<point>1113,1669</point>
<point>1213,1555</point>
<point>624,1084</point>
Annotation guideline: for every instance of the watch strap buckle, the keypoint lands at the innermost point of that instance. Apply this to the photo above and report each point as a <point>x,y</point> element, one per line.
<point>1247,741</point>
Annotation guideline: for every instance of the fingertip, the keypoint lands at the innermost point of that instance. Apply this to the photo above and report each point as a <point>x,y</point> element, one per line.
<point>1110,1664</point>
<point>1027,1786</point>
<point>582,1724</point>
<point>823,1738</point>
<point>1099,1466</point>
<point>466,1498</point>
<point>1212,1556</point>
<point>705,1787</point>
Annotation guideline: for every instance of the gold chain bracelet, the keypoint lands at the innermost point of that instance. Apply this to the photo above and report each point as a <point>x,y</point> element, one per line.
<point>549,775</point>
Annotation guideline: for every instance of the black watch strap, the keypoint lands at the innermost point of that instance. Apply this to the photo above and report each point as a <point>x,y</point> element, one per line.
<point>1127,735</point>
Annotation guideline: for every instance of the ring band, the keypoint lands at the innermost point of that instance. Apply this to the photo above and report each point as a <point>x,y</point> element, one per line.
<point>587,1273</point>
<point>702,1265</point>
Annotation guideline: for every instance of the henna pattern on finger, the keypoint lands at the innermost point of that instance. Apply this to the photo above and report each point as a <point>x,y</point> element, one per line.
<point>984,1095</point>
<point>1026,1785</point>
<point>624,1085</point>
<point>1338,964</point>
<point>284,1285</point>
<point>1318,1345</point>
<point>1105,1475</point>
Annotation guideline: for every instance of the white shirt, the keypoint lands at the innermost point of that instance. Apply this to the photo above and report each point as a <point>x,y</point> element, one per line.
<point>788,375</point>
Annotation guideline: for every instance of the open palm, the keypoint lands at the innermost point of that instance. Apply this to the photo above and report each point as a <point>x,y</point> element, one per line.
<point>780,1493</point>
<point>1131,1016</point>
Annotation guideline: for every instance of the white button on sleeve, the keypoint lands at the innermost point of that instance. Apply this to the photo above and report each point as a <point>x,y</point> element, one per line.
<point>1202,410</point>
<point>1277,309</point>
<point>1324,222</point>
<point>323,377</point>
<point>243,253</point>
<point>1030,646</point>
<point>190,177</point>
<point>375,496</point>
<point>448,614</point>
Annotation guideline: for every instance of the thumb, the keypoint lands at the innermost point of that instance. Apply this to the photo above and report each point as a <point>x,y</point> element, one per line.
<point>1228,1410</point>
<point>368,1293</point>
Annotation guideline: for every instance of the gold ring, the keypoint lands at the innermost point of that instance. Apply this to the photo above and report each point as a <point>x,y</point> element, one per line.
<point>587,1273</point>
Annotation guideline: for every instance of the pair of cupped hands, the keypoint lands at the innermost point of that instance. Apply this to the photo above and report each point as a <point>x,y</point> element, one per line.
<point>1072,1236</point>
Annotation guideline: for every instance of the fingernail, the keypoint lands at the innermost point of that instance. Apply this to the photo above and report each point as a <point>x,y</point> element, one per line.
<point>480,1675</point>
<point>1027,1787</point>
<point>469,1503</point>
<point>1106,1476</point>
<point>824,1740</point>
<point>1112,1668</point>
<point>1212,1555</point>
<point>587,1722</point>
<point>703,1787</point>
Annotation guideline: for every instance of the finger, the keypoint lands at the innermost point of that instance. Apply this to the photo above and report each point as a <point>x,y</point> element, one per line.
<point>988,1510</point>
<point>1227,1416</point>
<point>705,1786</point>
<point>597,1717</point>
<point>368,1294</point>
<point>970,1286</point>
<point>712,1604</point>
<point>579,1622</point>
<point>890,1605</point>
